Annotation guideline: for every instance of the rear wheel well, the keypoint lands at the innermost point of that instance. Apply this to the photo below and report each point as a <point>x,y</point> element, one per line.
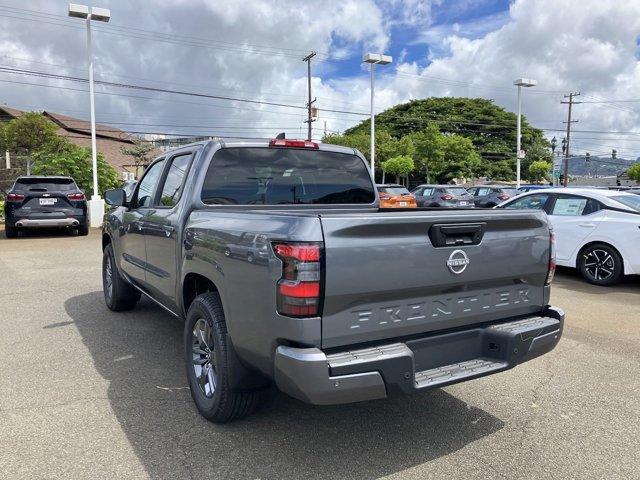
<point>195,284</point>
<point>590,244</point>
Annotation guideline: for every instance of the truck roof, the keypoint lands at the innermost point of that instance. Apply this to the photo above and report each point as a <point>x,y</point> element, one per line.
<point>262,143</point>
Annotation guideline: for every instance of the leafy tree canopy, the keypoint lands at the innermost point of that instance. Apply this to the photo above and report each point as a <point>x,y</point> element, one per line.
<point>400,165</point>
<point>142,153</point>
<point>490,129</point>
<point>31,132</point>
<point>634,172</point>
<point>74,161</point>
<point>539,170</point>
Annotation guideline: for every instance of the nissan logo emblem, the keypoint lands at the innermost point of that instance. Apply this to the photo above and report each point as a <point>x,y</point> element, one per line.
<point>458,262</point>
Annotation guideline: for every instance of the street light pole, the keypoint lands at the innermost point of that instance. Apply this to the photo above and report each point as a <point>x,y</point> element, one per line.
<point>94,153</point>
<point>374,59</point>
<point>521,82</point>
<point>96,204</point>
<point>372,149</point>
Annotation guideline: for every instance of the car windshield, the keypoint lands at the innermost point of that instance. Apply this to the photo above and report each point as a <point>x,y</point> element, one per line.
<point>457,191</point>
<point>394,190</point>
<point>281,176</point>
<point>628,200</point>
<point>44,184</point>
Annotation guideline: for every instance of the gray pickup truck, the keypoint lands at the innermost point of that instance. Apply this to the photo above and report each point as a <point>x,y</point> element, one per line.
<point>286,271</point>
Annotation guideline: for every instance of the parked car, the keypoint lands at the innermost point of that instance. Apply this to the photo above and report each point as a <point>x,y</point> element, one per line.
<point>251,247</point>
<point>530,188</point>
<point>488,196</point>
<point>45,201</point>
<point>596,230</point>
<point>395,196</point>
<point>460,296</point>
<point>442,196</point>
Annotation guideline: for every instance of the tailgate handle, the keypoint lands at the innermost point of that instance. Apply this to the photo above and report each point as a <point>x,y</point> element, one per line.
<point>451,235</point>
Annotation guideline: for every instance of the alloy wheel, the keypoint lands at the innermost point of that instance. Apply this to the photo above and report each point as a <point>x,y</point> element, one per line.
<point>203,357</point>
<point>599,264</point>
<point>108,278</point>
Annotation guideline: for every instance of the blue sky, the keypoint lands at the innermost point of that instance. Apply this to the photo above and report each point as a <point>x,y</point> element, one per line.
<point>420,40</point>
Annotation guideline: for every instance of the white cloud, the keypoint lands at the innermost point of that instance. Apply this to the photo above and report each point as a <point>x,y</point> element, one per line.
<point>585,45</point>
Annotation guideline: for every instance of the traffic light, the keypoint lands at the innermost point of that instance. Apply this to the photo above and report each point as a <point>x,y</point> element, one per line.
<point>561,179</point>
<point>614,154</point>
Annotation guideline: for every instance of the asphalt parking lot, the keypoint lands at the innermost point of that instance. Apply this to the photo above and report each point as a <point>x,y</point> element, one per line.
<point>88,393</point>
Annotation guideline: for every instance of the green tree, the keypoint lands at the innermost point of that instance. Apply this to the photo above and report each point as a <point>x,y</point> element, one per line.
<point>400,165</point>
<point>634,172</point>
<point>74,161</point>
<point>491,129</point>
<point>30,132</point>
<point>427,149</point>
<point>459,159</point>
<point>538,151</point>
<point>539,170</point>
<point>141,152</point>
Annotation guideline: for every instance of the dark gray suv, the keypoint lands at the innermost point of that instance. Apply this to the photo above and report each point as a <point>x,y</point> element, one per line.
<point>442,196</point>
<point>488,196</point>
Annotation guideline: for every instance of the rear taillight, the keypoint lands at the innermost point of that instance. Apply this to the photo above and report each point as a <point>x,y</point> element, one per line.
<point>299,288</point>
<point>281,142</point>
<point>552,257</point>
<point>15,197</point>
<point>447,197</point>
<point>504,196</point>
<point>75,196</point>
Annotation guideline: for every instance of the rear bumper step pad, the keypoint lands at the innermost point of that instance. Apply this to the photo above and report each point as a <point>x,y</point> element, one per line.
<point>418,364</point>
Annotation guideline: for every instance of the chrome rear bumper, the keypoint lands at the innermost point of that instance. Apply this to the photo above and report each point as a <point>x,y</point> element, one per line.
<point>47,222</point>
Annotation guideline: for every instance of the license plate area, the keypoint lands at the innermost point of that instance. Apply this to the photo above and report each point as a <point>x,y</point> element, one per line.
<point>47,201</point>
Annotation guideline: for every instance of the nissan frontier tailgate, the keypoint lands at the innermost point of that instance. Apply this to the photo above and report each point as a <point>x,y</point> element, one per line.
<point>404,273</point>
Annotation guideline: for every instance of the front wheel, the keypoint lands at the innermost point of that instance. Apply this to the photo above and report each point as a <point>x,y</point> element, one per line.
<point>206,358</point>
<point>601,264</point>
<point>118,294</point>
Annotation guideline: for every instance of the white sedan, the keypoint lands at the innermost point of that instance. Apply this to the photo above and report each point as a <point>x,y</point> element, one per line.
<point>597,231</point>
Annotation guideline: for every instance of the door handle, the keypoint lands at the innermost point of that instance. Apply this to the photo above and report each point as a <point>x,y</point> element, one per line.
<point>587,225</point>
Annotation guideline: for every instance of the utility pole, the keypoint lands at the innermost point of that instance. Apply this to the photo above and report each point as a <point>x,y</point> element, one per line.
<point>568,122</point>
<point>309,119</point>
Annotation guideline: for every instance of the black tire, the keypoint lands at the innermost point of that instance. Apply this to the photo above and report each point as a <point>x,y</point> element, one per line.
<point>601,264</point>
<point>10,232</point>
<point>83,229</point>
<point>119,295</point>
<point>490,205</point>
<point>215,400</point>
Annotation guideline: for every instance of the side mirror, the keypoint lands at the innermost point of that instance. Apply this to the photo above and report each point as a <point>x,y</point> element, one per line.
<point>116,197</point>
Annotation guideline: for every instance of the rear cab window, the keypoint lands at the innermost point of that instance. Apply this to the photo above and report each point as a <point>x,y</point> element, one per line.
<point>285,176</point>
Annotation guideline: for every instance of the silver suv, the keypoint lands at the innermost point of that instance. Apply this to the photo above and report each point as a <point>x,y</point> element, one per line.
<point>488,196</point>
<point>442,196</point>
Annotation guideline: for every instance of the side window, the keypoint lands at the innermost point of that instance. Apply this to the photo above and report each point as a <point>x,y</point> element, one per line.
<point>148,184</point>
<point>472,191</point>
<point>172,187</point>
<point>483,191</point>
<point>427,192</point>
<point>418,192</point>
<point>573,206</point>
<point>536,202</point>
